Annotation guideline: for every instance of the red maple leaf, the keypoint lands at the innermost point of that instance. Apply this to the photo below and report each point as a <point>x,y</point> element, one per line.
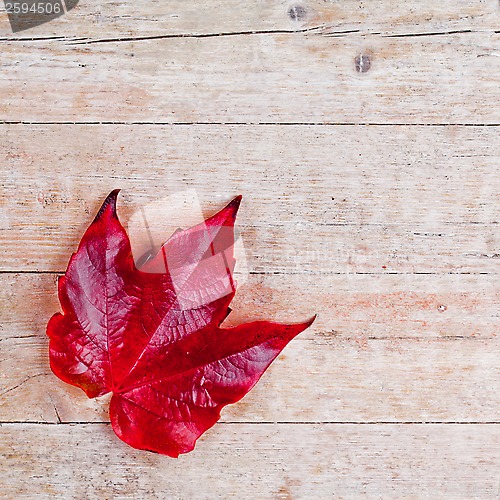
<point>152,338</point>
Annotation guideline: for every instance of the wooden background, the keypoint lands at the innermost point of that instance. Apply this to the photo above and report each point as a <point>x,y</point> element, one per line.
<point>363,136</point>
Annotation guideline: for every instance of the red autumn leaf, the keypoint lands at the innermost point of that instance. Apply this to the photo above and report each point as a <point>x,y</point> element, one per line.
<point>152,336</point>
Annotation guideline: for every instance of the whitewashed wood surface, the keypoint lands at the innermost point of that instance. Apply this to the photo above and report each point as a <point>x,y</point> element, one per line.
<point>363,137</point>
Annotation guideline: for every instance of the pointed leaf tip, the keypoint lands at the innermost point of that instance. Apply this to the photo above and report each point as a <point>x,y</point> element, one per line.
<point>109,201</point>
<point>310,321</point>
<point>305,324</point>
<point>233,206</point>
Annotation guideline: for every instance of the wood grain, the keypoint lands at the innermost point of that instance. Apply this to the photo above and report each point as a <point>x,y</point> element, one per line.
<point>277,78</point>
<point>417,351</point>
<point>109,19</point>
<point>364,139</point>
<point>256,461</point>
<point>316,199</point>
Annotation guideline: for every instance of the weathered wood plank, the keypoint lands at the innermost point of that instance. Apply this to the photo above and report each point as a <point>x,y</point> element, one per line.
<point>393,341</point>
<point>348,306</point>
<point>256,461</point>
<point>298,77</point>
<point>110,19</point>
<point>322,203</point>
<point>316,199</point>
<point>289,249</point>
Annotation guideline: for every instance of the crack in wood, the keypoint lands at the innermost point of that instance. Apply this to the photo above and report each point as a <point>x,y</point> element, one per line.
<point>433,33</point>
<point>250,124</point>
<point>196,35</point>
<point>27,379</point>
<point>321,30</point>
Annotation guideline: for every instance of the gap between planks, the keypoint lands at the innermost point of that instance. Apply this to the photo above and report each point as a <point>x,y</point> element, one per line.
<point>280,422</point>
<point>249,123</point>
